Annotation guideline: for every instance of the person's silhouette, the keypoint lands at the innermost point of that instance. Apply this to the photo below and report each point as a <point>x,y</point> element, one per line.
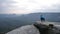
<point>42,18</point>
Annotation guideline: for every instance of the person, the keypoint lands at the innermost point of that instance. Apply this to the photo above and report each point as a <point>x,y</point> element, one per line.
<point>52,29</point>
<point>51,25</point>
<point>42,18</point>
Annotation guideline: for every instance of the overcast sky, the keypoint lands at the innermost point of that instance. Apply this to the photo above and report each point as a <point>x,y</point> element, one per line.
<point>28,6</point>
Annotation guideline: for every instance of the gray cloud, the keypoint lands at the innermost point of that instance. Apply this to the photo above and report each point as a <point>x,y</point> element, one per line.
<point>5,5</point>
<point>53,8</point>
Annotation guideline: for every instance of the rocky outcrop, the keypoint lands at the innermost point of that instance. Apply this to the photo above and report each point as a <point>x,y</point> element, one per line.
<point>31,29</point>
<point>28,29</point>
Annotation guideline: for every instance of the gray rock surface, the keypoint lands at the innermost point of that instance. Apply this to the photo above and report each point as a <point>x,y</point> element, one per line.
<point>28,29</point>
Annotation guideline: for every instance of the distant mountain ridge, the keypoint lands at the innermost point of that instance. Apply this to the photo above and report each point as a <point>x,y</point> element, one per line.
<point>55,17</point>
